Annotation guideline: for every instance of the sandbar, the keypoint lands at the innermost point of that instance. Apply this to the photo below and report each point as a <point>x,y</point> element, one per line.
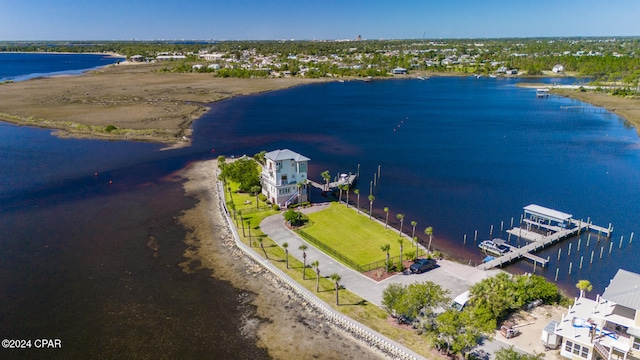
<point>140,102</point>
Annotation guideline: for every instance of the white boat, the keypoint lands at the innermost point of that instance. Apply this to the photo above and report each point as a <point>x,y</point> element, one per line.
<point>494,248</point>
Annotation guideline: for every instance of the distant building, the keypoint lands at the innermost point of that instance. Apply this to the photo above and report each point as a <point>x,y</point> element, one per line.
<point>558,69</point>
<point>607,327</point>
<point>399,71</point>
<point>281,174</point>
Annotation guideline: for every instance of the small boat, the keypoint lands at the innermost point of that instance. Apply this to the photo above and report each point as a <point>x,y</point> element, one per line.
<point>494,248</point>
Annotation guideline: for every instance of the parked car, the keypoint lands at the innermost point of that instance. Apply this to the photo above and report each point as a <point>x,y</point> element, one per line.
<point>422,265</point>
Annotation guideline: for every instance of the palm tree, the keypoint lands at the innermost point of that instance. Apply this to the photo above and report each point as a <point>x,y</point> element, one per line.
<point>386,249</point>
<point>415,239</point>
<point>346,188</point>
<point>401,218</point>
<point>401,243</point>
<point>357,192</point>
<point>304,248</point>
<point>316,264</point>
<point>285,246</point>
<point>262,247</point>
<point>413,232</point>
<point>249,230</point>
<point>299,185</point>
<point>386,210</point>
<point>256,190</point>
<point>340,187</point>
<point>429,231</point>
<point>327,177</point>
<point>371,198</point>
<point>336,279</point>
<point>584,285</point>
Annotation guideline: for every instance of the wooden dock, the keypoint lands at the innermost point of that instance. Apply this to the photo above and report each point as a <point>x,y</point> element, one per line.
<point>539,241</point>
<point>349,180</point>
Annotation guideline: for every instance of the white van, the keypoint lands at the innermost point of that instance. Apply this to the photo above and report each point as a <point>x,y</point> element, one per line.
<point>461,301</point>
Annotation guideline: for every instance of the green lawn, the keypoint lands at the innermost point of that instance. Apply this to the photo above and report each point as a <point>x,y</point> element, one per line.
<point>355,236</point>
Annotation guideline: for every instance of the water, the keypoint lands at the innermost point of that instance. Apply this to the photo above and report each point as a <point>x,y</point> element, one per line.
<point>457,154</point>
<point>24,66</point>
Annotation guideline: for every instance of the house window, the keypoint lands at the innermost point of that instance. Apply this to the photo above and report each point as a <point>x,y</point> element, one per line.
<point>568,346</point>
<point>636,343</point>
<point>284,178</point>
<point>585,352</point>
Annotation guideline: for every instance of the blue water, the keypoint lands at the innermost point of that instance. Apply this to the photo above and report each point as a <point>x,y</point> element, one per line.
<point>24,66</point>
<point>457,154</point>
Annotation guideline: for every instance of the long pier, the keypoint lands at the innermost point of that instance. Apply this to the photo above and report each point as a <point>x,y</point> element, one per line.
<point>539,241</point>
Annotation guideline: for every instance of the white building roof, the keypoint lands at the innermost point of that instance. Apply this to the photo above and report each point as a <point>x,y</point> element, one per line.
<point>286,154</point>
<point>547,213</point>
<point>624,289</point>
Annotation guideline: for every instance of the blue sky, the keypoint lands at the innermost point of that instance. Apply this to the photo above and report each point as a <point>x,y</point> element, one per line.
<point>302,19</point>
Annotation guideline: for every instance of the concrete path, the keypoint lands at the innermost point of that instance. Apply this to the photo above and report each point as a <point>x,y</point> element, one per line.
<point>456,278</point>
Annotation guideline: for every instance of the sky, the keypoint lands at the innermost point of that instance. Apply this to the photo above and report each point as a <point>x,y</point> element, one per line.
<point>313,20</point>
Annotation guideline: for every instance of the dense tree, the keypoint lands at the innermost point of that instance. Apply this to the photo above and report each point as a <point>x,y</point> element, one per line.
<point>357,192</point>
<point>371,198</point>
<point>421,298</point>
<point>511,354</point>
<point>243,171</point>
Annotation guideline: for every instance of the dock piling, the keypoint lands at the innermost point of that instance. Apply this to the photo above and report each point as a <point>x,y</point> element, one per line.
<point>557,271</point>
<point>559,252</point>
<point>570,265</point>
<point>588,239</point>
<point>631,238</point>
<point>475,236</point>
<point>581,258</point>
<point>491,232</point>
<point>579,241</point>
<point>591,261</point>
<point>501,226</point>
<point>601,249</point>
<point>610,247</point>
<point>569,251</point>
<point>464,240</point>
<point>511,222</point>
<point>620,246</point>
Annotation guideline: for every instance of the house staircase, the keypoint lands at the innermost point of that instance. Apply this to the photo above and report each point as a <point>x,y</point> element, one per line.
<point>601,350</point>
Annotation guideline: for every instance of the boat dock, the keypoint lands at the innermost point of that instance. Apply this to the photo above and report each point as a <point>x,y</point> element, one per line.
<point>344,179</point>
<point>542,227</point>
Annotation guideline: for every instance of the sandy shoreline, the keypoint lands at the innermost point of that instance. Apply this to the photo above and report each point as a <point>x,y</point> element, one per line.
<point>285,326</point>
<point>142,103</point>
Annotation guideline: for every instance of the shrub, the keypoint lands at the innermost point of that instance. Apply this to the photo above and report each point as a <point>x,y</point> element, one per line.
<point>110,128</point>
<point>276,207</point>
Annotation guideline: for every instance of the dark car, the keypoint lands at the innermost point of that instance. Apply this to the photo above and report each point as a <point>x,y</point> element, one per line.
<point>422,265</point>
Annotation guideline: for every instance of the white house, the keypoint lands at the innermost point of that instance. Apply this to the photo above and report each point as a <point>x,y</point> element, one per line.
<point>281,174</point>
<point>607,327</point>
<point>558,68</point>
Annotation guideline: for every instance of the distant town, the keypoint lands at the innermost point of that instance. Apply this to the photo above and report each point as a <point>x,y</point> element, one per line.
<point>601,59</point>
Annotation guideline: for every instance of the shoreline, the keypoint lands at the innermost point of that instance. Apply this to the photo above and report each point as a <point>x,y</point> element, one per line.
<point>141,102</point>
<point>281,315</point>
<point>626,108</point>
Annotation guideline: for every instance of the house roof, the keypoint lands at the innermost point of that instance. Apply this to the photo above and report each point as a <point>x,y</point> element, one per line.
<point>285,154</point>
<point>624,289</point>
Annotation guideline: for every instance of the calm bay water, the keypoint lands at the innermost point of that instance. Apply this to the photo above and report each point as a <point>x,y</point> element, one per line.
<point>23,66</point>
<point>458,154</point>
